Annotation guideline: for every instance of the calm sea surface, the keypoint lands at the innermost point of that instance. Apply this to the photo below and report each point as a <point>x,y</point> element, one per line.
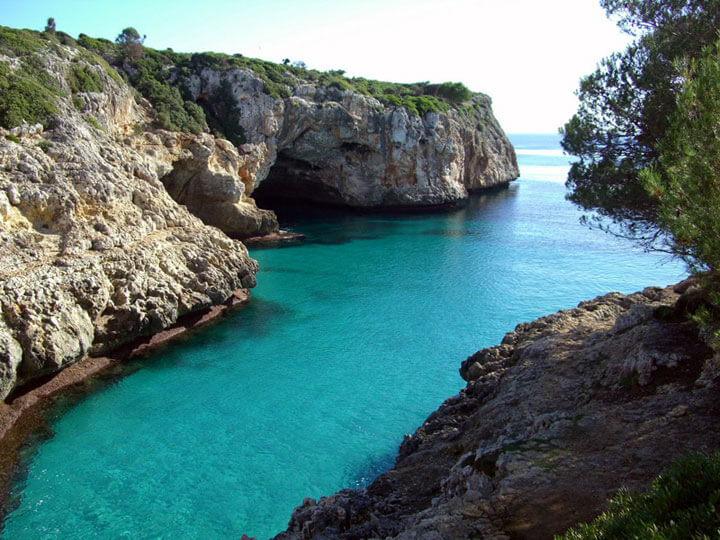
<point>352,338</point>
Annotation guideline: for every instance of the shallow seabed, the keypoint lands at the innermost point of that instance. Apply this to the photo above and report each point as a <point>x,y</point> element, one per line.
<point>352,338</point>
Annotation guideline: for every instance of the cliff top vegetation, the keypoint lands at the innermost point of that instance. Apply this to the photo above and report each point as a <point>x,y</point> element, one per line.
<point>161,77</point>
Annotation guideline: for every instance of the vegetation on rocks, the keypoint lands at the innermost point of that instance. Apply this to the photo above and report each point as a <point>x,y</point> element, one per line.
<point>161,78</point>
<point>682,502</point>
<point>27,94</point>
<point>646,135</point>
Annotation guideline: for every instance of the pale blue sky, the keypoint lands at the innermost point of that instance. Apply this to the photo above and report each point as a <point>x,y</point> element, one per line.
<point>527,55</point>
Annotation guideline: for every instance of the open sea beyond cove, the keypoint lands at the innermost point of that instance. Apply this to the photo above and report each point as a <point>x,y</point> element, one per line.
<point>351,339</point>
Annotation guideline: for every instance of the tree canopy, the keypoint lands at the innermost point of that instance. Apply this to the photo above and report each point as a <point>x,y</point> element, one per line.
<point>687,187</point>
<point>625,106</point>
<point>131,44</point>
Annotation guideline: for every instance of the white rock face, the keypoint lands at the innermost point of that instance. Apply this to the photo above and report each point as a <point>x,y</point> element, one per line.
<point>93,250</point>
<point>338,146</point>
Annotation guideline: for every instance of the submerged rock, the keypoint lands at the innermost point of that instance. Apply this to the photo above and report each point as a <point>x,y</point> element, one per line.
<point>569,408</point>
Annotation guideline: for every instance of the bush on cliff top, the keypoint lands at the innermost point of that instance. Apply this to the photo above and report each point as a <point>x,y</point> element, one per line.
<point>682,502</point>
<point>160,76</point>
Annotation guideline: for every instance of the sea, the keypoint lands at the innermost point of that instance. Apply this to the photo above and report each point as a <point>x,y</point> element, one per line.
<point>352,338</point>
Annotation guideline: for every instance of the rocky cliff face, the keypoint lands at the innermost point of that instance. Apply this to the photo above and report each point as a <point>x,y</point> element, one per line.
<point>553,421</point>
<point>337,146</point>
<point>93,249</point>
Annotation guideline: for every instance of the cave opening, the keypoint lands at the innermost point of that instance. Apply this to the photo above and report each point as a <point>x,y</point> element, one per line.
<point>294,186</point>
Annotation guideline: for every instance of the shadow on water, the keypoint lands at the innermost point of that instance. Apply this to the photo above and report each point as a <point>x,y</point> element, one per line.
<point>335,225</point>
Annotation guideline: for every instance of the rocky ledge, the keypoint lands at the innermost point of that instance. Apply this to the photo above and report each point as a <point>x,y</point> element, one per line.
<point>568,409</point>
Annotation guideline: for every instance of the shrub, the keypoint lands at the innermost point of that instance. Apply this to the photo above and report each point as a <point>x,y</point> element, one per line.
<point>21,42</point>
<point>223,114</point>
<point>23,98</point>
<point>131,44</point>
<point>84,79</point>
<point>93,122</point>
<point>682,502</point>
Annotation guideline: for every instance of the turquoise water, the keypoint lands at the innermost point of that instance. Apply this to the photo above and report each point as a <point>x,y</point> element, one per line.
<point>352,338</point>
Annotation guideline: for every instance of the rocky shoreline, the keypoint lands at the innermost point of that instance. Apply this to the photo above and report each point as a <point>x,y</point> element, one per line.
<point>553,421</point>
<point>22,414</point>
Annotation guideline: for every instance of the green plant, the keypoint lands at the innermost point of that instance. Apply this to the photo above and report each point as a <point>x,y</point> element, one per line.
<point>44,146</point>
<point>22,42</point>
<point>687,188</point>
<point>130,43</point>
<point>224,115</point>
<point>93,122</point>
<point>24,99</point>
<point>13,138</point>
<point>84,79</point>
<point>682,502</point>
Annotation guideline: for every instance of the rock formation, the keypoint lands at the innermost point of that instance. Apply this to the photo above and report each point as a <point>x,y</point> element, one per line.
<point>336,146</point>
<point>93,250</point>
<point>552,422</point>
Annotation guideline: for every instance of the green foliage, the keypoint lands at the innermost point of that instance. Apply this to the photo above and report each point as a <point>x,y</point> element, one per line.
<point>84,79</point>
<point>93,122</point>
<point>625,105</point>
<point>13,138</point>
<point>223,114</point>
<point>24,97</point>
<point>162,78</point>
<point>44,146</point>
<point>687,187</point>
<point>130,43</point>
<point>65,39</point>
<point>22,42</point>
<point>455,92</point>
<point>103,47</point>
<point>682,502</point>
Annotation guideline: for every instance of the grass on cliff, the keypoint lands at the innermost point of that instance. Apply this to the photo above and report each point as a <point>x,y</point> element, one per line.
<point>682,502</point>
<point>29,92</point>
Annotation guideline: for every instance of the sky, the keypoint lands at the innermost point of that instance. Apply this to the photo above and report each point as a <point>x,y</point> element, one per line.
<point>527,55</point>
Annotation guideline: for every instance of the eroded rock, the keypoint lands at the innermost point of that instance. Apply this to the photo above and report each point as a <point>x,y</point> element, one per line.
<point>336,146</point>
<point>93,250</point>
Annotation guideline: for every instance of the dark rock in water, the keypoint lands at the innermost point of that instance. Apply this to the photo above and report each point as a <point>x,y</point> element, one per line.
<point>569,408</point>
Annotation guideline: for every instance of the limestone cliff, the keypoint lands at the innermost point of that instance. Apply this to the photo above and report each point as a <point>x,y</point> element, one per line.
<point>552,422</point>
<point>333,145</point>
<point>93,250</point>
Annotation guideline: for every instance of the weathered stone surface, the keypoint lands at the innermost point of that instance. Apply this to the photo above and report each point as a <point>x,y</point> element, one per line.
<point>93,250</point>
<point>565,411</point>
<point>337,146</point>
